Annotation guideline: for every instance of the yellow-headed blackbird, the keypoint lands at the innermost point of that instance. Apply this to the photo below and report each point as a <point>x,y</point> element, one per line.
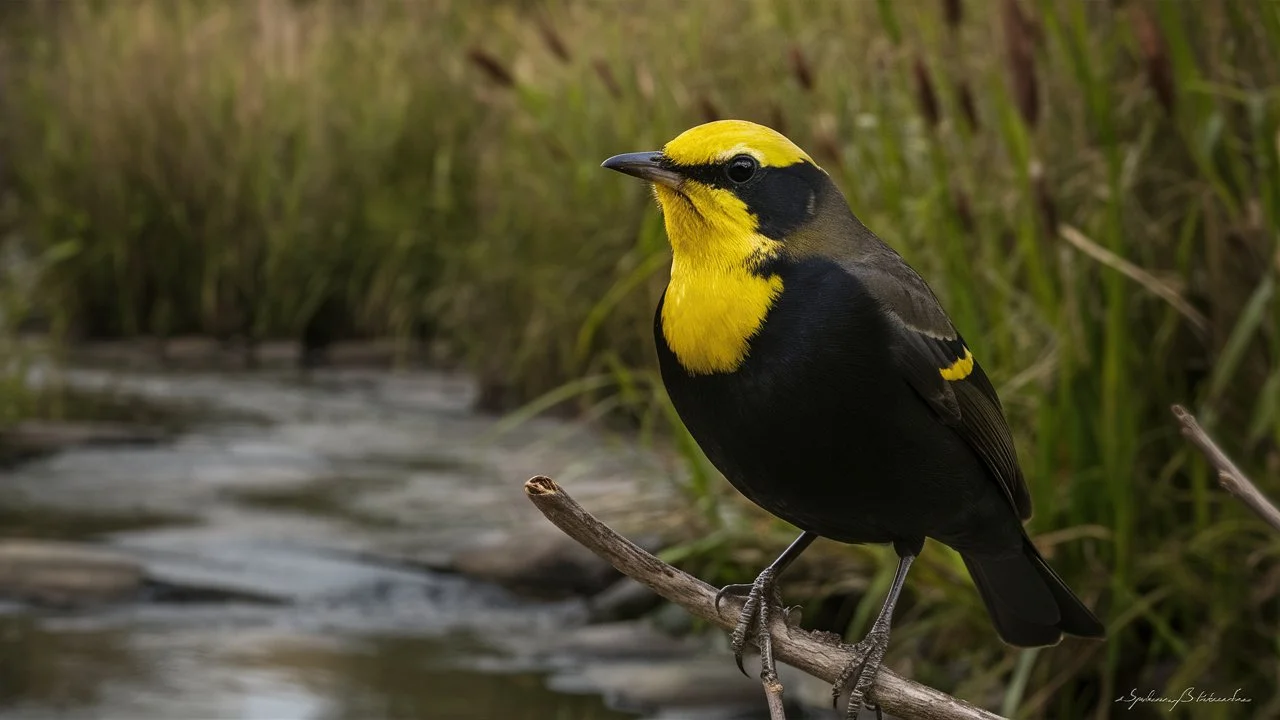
<point>822,377</point>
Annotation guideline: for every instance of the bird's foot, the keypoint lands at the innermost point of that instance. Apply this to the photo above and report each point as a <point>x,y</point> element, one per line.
<point>762,600</point>
<point>860,675</point>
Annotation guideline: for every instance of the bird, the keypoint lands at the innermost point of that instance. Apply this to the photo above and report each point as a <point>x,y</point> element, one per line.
<point>821,376</point>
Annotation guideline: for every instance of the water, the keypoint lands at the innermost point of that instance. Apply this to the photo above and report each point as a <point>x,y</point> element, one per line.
<point>301,503</point>
<point>238,668</point>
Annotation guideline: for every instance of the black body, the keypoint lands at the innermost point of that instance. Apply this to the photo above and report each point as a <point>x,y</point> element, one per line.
<point>824,426</point>
<point>858,413</point>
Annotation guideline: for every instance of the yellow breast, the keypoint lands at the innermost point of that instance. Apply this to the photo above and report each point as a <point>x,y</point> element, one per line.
<point>710,314</point>
<point>716,299</point>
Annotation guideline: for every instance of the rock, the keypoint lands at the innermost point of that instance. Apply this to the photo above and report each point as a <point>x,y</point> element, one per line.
<point>66,574</point>
<point>163,591</point>
<point>542,564</point>
<point>366,353</point>
<point>694,686</point>
<point>634,639</point>
<point>703,687</point>
<point>673,619</point>
<point>37,437</point>
<point>814,696</point>
<point>626,599</point>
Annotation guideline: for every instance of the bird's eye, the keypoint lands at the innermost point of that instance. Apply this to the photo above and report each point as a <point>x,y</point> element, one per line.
<point>741,169</point>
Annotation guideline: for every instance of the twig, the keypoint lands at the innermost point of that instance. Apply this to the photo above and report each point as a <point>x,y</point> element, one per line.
<point>895,694</point>
<point>773,694</point>
<point>1229,476</point>
<point>1158,287</point>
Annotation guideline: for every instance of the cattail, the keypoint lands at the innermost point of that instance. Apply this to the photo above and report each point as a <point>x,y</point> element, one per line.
<point>829,151</point>
<point>968,106</point>
<point>558,151</point>
<point>553,41</point>
<point>1048,207</point>
<point>801,68</point>
<point>1008,242</point>
<point>777,120</point>
<point>708,109</point>
<point>491,66</point>
<point>1019,43</point>
<point>644,82</point>
<point>1044,199</point>
<point>964,211</point>
<point>606,76</point>
<point>1035,30</point>
<point>880,66</point>
<point>925,95</point>
<point>1155,56</point>
<point>953,11</point>
<point>826,139</point>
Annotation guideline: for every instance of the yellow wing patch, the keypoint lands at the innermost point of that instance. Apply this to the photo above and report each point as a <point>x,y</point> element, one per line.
<point>959,369</point>
<point>718,141</point>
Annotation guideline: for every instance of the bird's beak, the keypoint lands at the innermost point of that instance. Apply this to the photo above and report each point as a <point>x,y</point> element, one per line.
<point>646,166</point>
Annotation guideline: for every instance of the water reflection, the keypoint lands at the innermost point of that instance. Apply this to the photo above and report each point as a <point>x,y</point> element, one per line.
<point>62,670</point>
<point>396,677</point>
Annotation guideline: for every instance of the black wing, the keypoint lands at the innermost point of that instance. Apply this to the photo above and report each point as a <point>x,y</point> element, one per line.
<point>935,360</point>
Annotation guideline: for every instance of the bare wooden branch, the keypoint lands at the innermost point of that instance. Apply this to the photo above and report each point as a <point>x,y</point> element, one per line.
<point>773,694</point>
<point>800,648</point>
<point>1229,476</point>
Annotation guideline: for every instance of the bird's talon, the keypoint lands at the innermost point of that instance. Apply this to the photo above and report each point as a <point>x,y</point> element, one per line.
<point>761,599</point>
<point>862,672</point>
<point>731,590</point>
<point>791,616</point>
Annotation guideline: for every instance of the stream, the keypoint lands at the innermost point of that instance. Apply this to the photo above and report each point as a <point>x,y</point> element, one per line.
<point>316,507</point>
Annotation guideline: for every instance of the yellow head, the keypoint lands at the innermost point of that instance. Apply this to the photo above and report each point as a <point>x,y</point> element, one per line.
<point>731,192</point>
<point>719,141</point>
<point>727,188</point>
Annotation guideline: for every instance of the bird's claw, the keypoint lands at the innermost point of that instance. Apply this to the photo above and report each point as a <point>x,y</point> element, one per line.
<point>862,672</point>
<point>791,616</point>
<point>739,590</point>
<point>761,600</point>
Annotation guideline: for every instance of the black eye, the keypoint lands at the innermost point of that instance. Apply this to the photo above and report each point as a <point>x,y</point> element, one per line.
<point>741,169</point>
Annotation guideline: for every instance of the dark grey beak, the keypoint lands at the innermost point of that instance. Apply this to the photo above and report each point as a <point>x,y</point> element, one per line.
<point>646,166</point>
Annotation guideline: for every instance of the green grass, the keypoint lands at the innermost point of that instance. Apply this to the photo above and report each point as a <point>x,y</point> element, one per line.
<point>399,167</point>
<point>182,163</point>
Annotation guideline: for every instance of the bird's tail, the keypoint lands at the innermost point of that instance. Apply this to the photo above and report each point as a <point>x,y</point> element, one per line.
<point>1029,604</point>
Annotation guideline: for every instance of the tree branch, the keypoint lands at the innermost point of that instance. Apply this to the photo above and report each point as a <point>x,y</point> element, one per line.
<point>773,695</point>
<point>1229,476</point>
<point>800,648</point>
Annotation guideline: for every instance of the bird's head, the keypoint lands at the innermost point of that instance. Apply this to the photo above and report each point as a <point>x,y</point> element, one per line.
<point>730,189</point>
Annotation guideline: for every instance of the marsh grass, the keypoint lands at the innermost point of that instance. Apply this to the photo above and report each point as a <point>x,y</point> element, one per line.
<point>235,167</point>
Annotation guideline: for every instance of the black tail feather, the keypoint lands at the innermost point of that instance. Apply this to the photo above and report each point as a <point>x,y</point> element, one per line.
<point>1029,604</point>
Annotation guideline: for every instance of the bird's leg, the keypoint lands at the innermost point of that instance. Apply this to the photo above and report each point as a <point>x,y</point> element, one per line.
<point>762,599</point>
<point>870,650</point>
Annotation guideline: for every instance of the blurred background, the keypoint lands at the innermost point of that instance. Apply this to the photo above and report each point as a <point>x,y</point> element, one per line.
<point>295,294</point>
